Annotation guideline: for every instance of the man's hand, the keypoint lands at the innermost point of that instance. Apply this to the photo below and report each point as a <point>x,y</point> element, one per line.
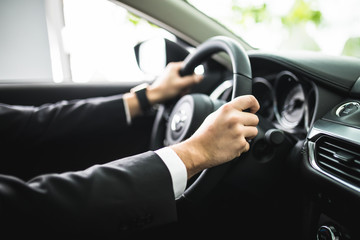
<point>222,137</point>
<point>170,84</point>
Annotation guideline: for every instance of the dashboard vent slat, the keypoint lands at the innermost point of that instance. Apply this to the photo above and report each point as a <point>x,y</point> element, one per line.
<point>339,158</point>
<point>338,172</point>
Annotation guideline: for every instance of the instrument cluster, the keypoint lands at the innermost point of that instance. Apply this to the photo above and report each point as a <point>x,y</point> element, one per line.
<point>286,100</point>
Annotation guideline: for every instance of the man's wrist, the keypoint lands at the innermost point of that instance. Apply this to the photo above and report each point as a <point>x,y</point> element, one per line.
<point>191,158</point>
<point>141,94</point>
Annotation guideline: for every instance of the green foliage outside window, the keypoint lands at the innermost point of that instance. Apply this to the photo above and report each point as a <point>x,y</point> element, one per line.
<point>302,12</point>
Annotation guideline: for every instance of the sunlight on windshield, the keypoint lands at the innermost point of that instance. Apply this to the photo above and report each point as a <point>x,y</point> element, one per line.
<point>329,26</point>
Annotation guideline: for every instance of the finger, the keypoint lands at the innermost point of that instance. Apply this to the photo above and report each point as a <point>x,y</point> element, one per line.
<point>250,132</point>
<point>245,146</point>
<point>176,65</point>
<point>249,119</point>
<point>190,80</point>
<point>246,102</point>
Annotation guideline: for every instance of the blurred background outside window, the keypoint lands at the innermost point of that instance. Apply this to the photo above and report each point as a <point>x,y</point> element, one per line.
<point>328,26</point>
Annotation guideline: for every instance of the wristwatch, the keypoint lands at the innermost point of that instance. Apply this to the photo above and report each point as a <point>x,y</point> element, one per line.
<point>140,92</point>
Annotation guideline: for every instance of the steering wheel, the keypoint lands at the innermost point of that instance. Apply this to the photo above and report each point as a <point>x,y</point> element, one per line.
<point>175,124</point>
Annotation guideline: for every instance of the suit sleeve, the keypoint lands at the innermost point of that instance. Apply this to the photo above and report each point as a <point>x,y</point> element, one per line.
<point>109,200</point>
<point>73,119</point>
<point>53,137</point>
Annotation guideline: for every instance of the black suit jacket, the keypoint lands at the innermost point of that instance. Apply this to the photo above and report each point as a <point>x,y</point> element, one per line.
<point>105,200</point>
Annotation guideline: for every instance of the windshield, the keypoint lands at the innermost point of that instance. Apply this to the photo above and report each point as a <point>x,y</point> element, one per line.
<point>328,26</point>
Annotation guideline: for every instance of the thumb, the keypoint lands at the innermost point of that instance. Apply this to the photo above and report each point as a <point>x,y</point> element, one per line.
<point>191,80</point>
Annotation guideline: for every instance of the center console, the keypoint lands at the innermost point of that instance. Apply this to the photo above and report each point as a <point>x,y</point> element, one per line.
<point>331,167</point>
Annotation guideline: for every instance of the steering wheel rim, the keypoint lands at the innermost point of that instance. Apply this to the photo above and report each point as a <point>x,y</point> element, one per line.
<point>242,85</point>
<point>241,66</point>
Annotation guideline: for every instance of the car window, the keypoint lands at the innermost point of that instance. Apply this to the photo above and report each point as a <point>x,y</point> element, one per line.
<point>24,45</point>
<point>71,41</point>
<point>99,37</point>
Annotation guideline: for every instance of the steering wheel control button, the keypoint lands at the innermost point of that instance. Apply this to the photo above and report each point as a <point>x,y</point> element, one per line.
<point>179,120</point>
<point>347,109</point>
<point>187,115</point>
<point>328,233</point>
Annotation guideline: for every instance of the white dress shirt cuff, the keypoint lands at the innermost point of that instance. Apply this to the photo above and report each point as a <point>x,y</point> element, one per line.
<point>177,169</point>
<point>127,112</point>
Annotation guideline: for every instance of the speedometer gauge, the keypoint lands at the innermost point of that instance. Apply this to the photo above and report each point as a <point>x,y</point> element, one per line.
<point>289,100</point>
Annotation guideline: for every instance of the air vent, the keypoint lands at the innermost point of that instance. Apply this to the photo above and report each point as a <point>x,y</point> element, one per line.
<point>339,158</point>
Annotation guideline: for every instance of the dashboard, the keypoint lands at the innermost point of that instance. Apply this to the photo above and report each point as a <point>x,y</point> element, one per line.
<point>314,100</point>
<point>286,100</point>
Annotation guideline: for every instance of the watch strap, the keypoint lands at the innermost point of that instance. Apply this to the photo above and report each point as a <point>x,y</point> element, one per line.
<point>142,98</point>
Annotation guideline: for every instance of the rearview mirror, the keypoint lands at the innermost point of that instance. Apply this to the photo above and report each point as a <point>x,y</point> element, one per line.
<point>153,55</point>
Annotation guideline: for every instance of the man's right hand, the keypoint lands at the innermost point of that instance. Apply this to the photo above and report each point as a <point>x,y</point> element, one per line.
<point>223,136</point>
